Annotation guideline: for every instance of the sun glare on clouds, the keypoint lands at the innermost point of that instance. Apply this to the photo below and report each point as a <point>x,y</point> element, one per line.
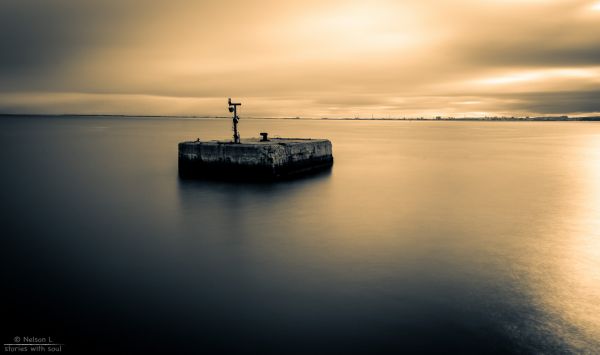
<point>545,74</point>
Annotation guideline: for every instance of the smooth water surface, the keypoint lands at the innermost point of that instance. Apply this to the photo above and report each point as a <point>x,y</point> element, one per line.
<point>425,236</point>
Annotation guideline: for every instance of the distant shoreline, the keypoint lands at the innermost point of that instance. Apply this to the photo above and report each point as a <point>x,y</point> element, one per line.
<point>463,119</point>
<point>468,119</point>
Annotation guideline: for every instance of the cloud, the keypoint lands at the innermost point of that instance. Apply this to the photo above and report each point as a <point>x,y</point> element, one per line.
<point>310,58</point>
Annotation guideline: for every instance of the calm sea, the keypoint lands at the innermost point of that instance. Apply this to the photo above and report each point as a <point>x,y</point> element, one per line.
<point>477,237</point>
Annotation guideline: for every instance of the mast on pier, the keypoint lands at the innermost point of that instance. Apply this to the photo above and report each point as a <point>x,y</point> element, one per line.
<point>233,108</point>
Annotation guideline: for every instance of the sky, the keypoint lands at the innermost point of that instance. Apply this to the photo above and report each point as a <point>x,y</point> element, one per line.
<point>301,58</point>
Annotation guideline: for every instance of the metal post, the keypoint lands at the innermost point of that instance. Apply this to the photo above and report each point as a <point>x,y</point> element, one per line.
<point>233,108</point>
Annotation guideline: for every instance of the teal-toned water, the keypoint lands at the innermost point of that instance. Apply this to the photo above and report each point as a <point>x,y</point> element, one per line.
<point>425,236</point>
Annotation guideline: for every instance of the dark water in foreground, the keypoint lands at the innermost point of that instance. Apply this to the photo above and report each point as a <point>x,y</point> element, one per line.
<point>425,236</point>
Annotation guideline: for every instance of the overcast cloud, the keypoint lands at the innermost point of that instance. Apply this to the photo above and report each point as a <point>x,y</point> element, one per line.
<point>304,58</point>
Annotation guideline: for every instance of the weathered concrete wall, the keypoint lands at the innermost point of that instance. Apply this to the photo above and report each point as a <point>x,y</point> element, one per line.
<point>252,158</point>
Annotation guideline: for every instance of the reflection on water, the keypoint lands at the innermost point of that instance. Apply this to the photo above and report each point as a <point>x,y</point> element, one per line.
<point>440,236</point>
<point>571,288</point>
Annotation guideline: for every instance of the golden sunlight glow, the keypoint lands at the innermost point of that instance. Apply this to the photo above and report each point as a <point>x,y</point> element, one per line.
<point>546,74</point>
<point>354,28</point>
<point>580,267</point>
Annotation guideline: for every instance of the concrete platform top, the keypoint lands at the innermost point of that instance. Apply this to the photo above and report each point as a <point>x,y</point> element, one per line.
<point>258,142</point>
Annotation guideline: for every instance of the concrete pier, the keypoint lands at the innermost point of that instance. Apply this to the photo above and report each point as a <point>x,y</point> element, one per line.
<point>254,159</point>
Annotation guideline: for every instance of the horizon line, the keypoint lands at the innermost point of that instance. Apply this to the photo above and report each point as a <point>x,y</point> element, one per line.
<point>374,118</point>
